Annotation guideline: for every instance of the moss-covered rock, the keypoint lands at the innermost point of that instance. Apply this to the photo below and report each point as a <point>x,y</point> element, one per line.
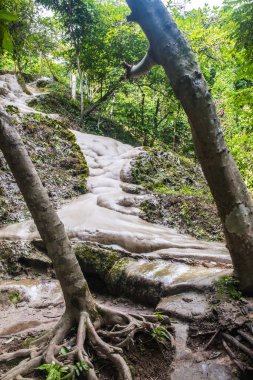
<point>110,270</point>
<point>12,110</point>
<point>196,216</point>
<point>178,194</point>
<point>21,257</point>
<point>166,172</point>
<point>57,158</point>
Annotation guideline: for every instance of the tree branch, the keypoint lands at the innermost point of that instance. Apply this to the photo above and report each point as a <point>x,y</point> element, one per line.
<point>142,68</point>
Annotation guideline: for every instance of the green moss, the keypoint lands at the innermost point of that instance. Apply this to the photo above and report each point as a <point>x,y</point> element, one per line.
<point>15,297</point>
<point>81,186</point>
<point>107,264</point>
<point>11,109</point>
<point>117,270</point>
<point>227,287</point>
<point>68,135</point>
<point>95,259</point>
<point>165,172</point>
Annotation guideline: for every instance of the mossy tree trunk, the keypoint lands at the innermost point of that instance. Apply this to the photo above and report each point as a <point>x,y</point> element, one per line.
<point>169,48</point>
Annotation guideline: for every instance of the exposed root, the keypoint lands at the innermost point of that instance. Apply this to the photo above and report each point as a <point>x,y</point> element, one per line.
<point>107,337</point>
<point>210,342</point>
<point>237,344</point>
<point>232,355</point>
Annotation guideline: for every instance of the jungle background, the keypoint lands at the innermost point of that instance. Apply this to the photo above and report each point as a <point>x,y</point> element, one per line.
<point>91,40</point>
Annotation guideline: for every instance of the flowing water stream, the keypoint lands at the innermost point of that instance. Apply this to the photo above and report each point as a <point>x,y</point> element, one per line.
<point>108,213</point>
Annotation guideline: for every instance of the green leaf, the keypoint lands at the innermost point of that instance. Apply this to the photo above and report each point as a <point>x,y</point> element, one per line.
<point>7,40</point>
<point>4,15</point>
<point>63,351</point>
<point>77,371</point>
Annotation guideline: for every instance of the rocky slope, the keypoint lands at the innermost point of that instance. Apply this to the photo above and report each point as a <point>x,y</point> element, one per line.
<point>52,148</point>
<point>178,195</point>
<point>118,252</point>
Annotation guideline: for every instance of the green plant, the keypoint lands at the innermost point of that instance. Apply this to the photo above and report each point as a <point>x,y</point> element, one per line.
<point>228,287</point>
<point>5,36</point>
<point>15,297</point>
<point>160,334</point>
<point>11,109</point>
<point>159,314</point>
<point>56,372</point>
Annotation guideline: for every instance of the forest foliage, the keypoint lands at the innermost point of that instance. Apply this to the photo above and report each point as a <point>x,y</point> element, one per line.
<point>91,39</point>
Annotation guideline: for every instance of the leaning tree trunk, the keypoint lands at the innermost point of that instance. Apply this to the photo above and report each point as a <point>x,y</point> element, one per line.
<point>169,48</point>
<point>75,289</point>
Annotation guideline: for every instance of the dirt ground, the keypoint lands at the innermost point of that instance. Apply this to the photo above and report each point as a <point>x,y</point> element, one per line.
<point>147,359</point>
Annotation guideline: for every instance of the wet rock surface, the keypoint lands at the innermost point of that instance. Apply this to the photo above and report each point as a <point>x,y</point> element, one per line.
<point>184,306</point>
<point>188,365</point>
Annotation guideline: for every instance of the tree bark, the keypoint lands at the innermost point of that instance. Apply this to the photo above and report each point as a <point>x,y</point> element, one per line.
<point>81,87</point>
<point>169,48</point>
<point>73,85</point>
<point>75,289</point>
<point>86,81</point>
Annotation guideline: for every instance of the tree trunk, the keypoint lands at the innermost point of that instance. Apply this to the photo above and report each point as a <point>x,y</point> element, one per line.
<point>73,85</point>
<point>86,81</point>
<point>169,48</point>
<point>50,68</point>
<point>75,289</point>
<point>81,87</point>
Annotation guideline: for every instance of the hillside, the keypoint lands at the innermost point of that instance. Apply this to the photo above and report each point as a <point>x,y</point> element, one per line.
<point>52,148</point>
<point>119,253</point>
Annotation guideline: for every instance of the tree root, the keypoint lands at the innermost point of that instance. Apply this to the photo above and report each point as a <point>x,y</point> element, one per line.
<point>236,345</point>
<point>210,342</point>
<point>107,336</point>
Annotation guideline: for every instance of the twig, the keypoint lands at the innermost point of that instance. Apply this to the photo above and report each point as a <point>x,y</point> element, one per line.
<point>203,334</point>
<point>212,339</point>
